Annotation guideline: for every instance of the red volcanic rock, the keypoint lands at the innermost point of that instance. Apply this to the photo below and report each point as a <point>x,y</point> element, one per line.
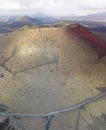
<point>89,36</point>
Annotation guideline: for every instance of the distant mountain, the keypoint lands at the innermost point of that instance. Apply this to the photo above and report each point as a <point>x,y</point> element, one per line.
<point>21,20</point>
<point>16,21</point>
<point>96,16</point>
<point>92,21</point>
<point>28,20</point>
<point>25,20</point>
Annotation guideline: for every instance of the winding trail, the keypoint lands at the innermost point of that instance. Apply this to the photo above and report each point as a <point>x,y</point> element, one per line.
<point>79,105</point>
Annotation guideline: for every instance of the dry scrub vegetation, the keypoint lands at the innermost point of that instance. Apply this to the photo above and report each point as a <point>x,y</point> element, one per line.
<point>47,69</point>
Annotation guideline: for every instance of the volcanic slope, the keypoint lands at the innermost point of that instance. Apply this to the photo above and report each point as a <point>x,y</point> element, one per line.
<point>47,69</point>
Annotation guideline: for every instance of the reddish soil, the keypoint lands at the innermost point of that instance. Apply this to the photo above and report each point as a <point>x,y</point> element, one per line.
<point>87,35</point>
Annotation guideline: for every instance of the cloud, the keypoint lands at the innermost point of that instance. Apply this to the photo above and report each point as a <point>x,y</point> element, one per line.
<point>8,5</point>
<point>56,7</point>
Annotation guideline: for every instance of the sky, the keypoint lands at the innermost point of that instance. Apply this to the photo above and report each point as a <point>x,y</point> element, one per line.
<point>52,7</point>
